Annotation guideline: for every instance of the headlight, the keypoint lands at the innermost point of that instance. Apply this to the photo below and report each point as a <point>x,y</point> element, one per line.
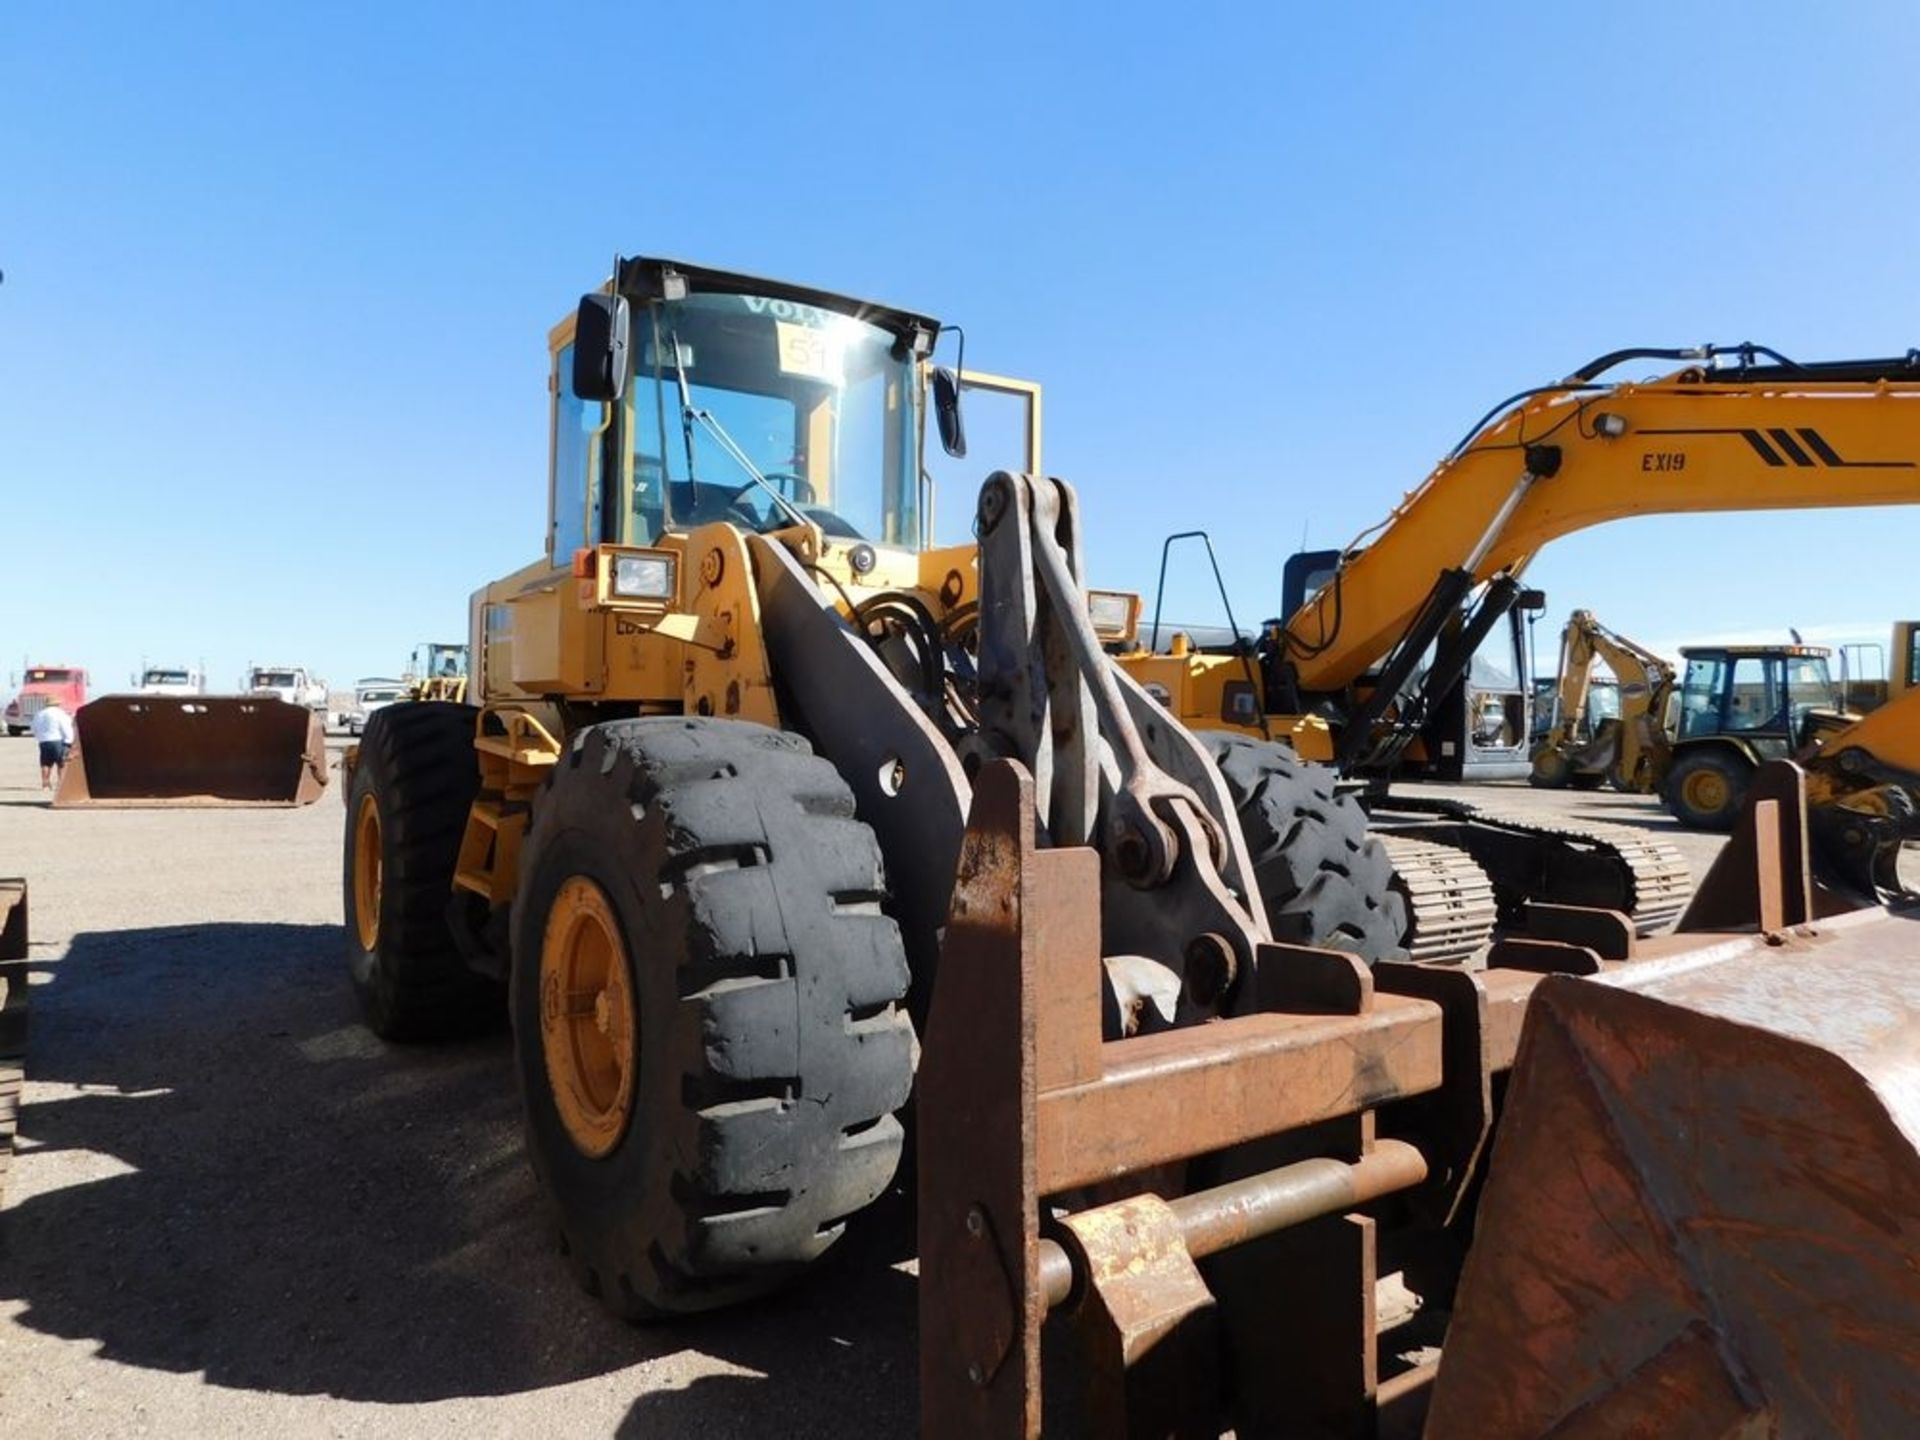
<point>643,577</point>
<point>1115,614</point>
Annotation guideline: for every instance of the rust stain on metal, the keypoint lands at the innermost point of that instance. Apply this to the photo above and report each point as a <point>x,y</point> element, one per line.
<point>1695,1160</point>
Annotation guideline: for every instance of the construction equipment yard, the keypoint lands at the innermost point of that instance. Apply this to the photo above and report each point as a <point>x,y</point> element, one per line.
<point>995,843</point>
<point>234,1211</point>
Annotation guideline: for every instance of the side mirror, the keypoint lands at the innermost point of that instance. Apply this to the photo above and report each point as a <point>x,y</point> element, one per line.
<point>600,347</point>
<point>946,411</point>
<point>1533,601</point>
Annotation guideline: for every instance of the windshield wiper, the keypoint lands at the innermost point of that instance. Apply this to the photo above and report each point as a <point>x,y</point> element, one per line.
<point>689,414</point>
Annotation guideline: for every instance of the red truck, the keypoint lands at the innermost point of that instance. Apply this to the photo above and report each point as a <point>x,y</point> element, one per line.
<point>41,686</point>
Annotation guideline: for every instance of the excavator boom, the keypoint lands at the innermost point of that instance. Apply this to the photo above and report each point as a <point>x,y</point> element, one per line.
<point>1580,454</point>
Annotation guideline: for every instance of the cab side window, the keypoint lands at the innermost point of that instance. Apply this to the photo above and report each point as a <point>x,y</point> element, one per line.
<point>574,518</point>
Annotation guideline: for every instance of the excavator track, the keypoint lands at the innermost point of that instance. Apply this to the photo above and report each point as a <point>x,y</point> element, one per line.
<point>1451,908</point>
<point>1615,867</point>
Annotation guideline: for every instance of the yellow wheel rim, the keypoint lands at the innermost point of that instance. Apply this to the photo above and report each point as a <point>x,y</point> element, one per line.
<point>366,871</point>
<point>586,1017</point>
<point>1706,790</point>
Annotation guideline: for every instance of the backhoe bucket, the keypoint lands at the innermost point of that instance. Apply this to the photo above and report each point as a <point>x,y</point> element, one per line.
<point>194,751</point>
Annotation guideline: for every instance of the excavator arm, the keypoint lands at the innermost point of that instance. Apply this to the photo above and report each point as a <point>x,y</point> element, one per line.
<point>1581,453</point>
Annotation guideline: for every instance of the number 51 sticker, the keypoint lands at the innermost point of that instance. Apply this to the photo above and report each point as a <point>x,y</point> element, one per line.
<point>809,352</point>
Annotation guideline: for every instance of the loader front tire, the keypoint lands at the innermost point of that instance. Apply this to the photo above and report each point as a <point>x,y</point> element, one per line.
<point>1323,879</point>
<point>706,1003</point>
<point>406,812</point>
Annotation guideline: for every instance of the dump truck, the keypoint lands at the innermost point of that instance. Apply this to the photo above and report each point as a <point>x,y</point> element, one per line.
<point>372,694</point>
<point>170,680</point>
<point>758,787</point>
<point>40,686</point>
<point>292,684</point>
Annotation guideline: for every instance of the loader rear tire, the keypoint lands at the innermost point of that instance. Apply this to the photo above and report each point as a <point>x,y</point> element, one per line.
<point>706,1003</point>
<point>406,812</point>
<point>1323,879</point>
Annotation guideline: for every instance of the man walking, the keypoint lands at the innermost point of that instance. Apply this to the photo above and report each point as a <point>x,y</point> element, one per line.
<point>53,728</point>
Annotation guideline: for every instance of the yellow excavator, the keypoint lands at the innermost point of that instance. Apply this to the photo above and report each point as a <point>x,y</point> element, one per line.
<point>1369,668</point>
<point>758,791</point>
<point>1629,747</point>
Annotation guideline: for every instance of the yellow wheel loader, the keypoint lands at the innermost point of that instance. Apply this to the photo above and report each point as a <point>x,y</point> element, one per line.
<point>702,820</point>
<point>758,788</point>
<point>437,670</point>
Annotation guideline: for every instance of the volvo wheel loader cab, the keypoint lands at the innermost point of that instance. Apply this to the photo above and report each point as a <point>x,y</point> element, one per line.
<point>701,817</point>
<point>1740,706</point>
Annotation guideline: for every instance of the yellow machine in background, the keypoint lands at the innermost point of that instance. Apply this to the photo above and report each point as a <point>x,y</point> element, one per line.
<point>437,671</point>
<point>1630,748</point>
<point>1375,637</point>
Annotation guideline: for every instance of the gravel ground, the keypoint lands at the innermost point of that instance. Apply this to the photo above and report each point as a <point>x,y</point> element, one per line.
<point>235,1212</point>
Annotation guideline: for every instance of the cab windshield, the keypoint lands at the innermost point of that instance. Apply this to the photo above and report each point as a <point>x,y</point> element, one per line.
<point>40,676</point>
<point>278,679</point>
<point>164,677</point>
<point>737,398</point>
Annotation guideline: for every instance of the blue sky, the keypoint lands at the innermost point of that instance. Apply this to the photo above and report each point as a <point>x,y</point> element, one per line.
<point>278,278</point>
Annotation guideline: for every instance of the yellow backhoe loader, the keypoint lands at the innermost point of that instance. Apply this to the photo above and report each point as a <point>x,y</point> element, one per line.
<point>759,787</point>
<point>1631,747</point>
<point>1699,742</point>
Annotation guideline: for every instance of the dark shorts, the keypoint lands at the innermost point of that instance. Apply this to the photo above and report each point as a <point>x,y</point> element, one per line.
<point>53,752</point>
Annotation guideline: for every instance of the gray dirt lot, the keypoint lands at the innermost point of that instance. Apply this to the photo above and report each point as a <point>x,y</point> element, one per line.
<point>236,1213</point>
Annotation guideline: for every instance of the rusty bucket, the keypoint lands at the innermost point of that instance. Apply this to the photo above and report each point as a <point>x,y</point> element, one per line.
<point>194,750</point>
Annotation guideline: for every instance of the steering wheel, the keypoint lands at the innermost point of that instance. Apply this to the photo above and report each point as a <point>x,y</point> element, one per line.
<point>796,487</point>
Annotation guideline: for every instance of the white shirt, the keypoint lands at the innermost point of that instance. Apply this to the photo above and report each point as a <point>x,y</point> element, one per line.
<point>53,723</point>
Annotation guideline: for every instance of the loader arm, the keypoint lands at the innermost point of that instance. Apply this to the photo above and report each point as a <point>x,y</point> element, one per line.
<point>1582,454</point>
